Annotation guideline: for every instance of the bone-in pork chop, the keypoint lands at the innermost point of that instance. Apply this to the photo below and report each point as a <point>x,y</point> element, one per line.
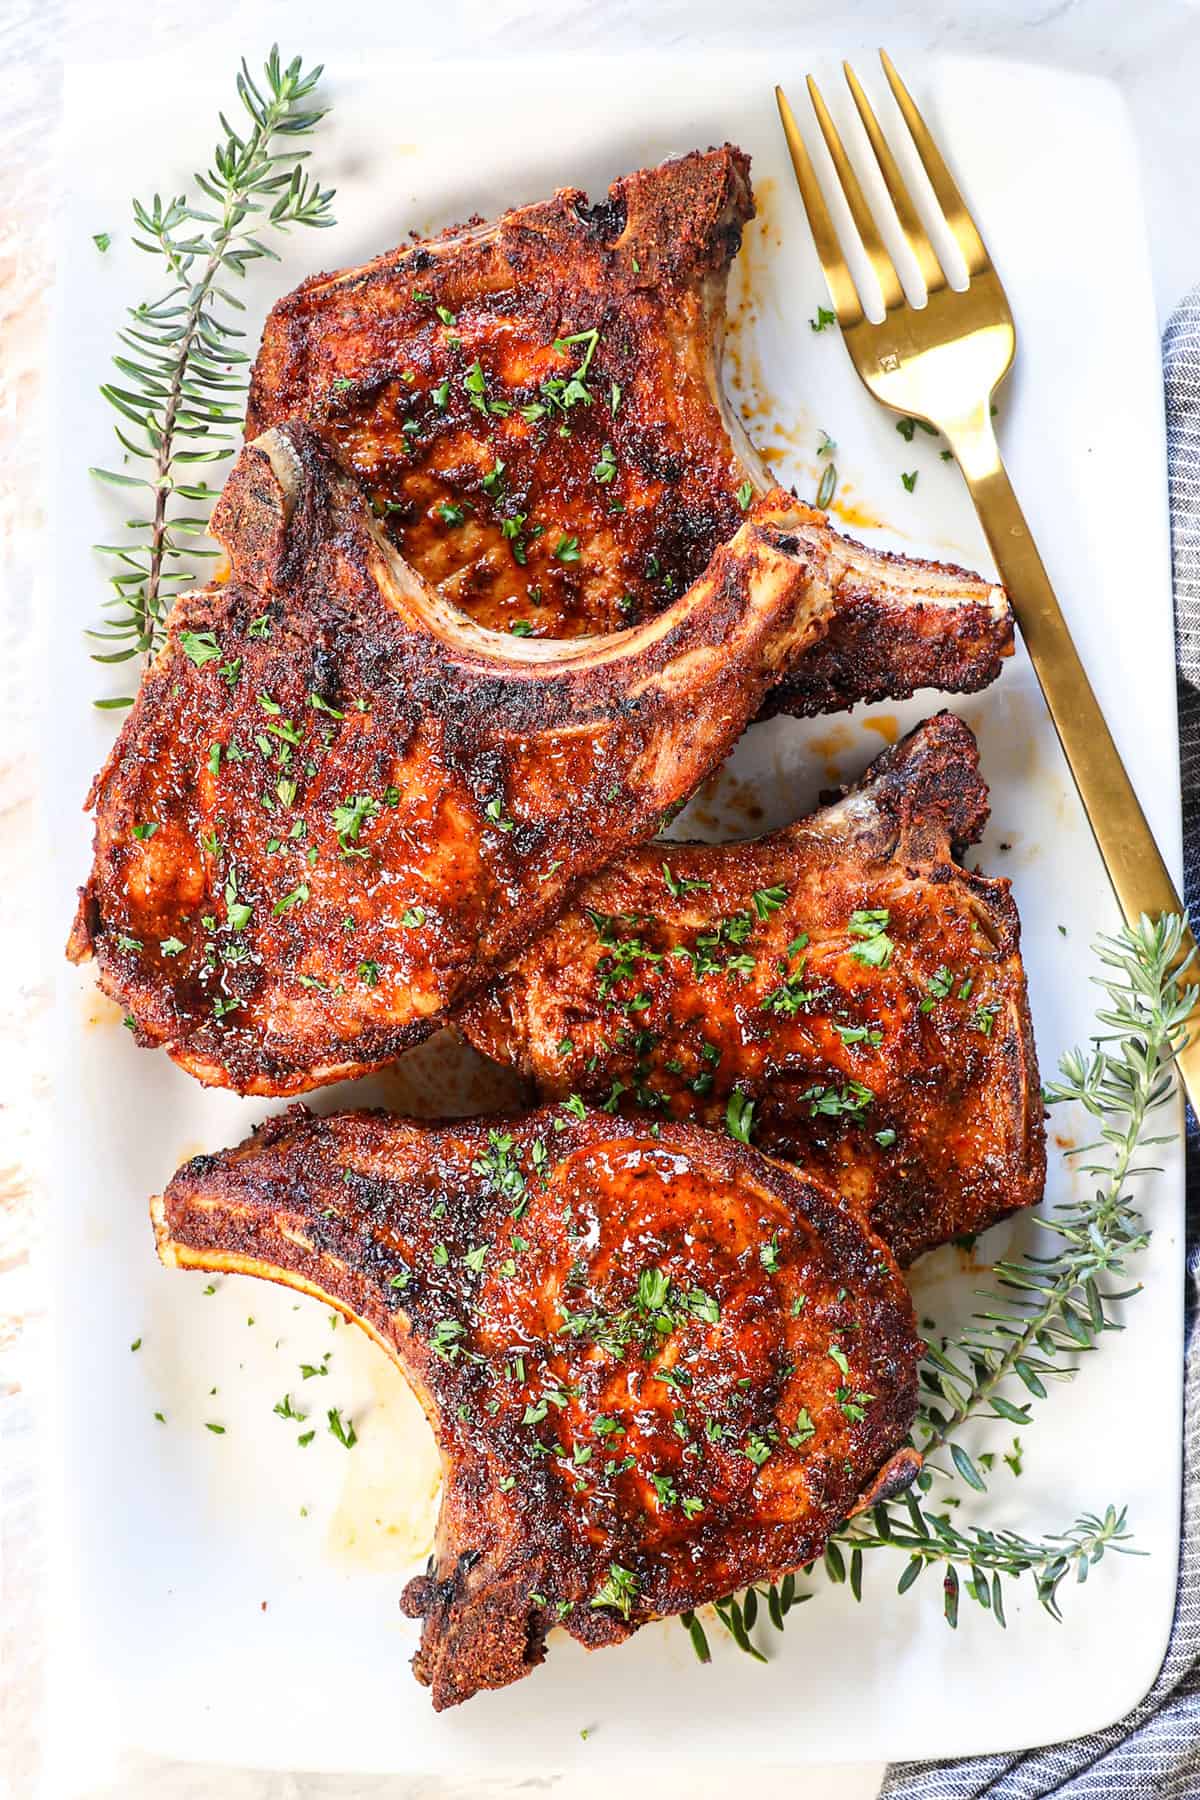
<point>659,1366</point>
<point>339,805</point>
<point>535,407</point>
<point>843,991</point>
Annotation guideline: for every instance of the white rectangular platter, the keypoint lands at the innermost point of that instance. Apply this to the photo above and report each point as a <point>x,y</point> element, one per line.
<point>234,1597</point>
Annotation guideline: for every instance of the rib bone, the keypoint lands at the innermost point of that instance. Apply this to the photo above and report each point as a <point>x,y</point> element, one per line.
<point>338,805</point>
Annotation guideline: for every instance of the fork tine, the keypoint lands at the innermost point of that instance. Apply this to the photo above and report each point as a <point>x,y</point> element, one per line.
<point>860,212</point>
<point>948,197</point>
<point>842,290</point>
<point>906,212</point>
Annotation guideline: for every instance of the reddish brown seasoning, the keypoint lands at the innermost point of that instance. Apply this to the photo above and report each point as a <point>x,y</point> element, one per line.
<point>659,1366</point>
<point>909,1083</point>
<point>553,379</point>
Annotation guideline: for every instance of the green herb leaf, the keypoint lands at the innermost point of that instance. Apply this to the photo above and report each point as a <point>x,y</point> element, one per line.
<point>180,389</point>
<point>739,1116</point>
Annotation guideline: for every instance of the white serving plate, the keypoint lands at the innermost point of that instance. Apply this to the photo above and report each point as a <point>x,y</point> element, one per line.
<point>198,1612</point>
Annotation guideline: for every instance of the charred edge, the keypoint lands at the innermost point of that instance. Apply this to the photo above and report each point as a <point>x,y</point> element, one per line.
<point>897,1474</point>
<point>875,652</point>
<point>932,777</point>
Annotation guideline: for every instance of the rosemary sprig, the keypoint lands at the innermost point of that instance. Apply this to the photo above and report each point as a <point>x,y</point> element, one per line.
<point>181,381</point>
<point>1043,1310</point>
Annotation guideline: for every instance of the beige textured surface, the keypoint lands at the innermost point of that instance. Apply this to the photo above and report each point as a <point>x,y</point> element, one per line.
<point>1158,62</point>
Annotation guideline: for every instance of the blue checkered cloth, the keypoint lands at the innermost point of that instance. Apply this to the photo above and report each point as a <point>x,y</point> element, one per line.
<point>1155,1751</point>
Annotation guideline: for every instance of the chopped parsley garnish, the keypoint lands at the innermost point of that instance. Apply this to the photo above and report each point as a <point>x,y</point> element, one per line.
<point>790,997</point>
<point>200,647</point>
<point>739,1116</point>
<point>871,926</point>
<point>909,427</point>
<point>745,495</point>
<point>605,467</point>
<point>344,1432</point>
<point>823,319</point>
<point>143,833</point>
<point>768,900</point>
<point>619,1591</point>
<point>566,550</point>
<point>444,1339</point>
<point>351,815</point>
<point>851,1100</point>
<point>859,1034</point>
<point>297,897</point>
<point>910,480</point>
<point>804,1429</point>
<point>321,705</point>
<point>678,885</point>
<point>937,988</point>
<point>498,1167</point>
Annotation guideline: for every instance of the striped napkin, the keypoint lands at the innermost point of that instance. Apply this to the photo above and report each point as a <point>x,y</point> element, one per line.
<point>1155,1750</point>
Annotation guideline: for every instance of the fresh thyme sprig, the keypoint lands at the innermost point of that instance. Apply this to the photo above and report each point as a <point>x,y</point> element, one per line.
<point>1051,1307</point>
<point>982,1556</point>
<point>931,1538</point>
<point>181,383</point>
<point>1043,1311</point>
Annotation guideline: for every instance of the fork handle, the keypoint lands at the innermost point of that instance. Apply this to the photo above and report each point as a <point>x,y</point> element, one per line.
<point>1140,878</point>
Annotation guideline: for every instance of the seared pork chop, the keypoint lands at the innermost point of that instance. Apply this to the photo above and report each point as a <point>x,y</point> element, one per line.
<point>842,989</point>
<point>339,805</point>
<point>535,407</point>
<point>659,1366</point>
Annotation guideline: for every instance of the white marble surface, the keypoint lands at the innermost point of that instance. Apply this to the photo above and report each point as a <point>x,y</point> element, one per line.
<point>1152,50</point>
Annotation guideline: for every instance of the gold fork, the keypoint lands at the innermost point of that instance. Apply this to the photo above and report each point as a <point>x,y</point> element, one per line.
<point>942,363</point>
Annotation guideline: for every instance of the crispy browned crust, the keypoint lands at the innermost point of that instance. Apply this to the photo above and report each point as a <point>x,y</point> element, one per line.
<point>558,1394</point>
<point>270,940</point>
<point>941,627</point>
<point>949,1075</point>
<point>640,479</point>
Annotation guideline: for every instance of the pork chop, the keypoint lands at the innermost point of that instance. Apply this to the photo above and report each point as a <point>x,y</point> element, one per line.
<point>338,805</point>
<point>659,1366</point>
<point>842,991</point>
<point>535,407</point>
